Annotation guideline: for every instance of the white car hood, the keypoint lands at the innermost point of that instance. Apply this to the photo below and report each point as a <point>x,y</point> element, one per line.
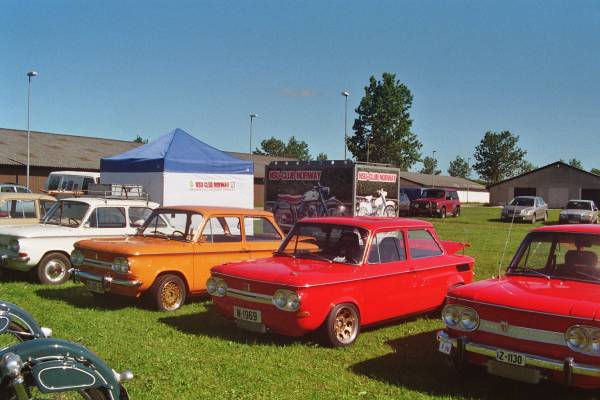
<point>38,230</point>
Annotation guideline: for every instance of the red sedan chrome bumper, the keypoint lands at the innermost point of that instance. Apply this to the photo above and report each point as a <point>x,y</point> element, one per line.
<point>462,350</point>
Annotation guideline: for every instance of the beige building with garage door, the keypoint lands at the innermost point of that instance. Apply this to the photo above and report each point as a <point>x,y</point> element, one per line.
<point>557,183</point>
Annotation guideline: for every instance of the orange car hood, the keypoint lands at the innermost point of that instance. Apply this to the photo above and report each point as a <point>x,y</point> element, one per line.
<point>135,245</point>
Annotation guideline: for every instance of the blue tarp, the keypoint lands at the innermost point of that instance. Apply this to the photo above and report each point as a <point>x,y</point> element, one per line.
<point>177,151</point>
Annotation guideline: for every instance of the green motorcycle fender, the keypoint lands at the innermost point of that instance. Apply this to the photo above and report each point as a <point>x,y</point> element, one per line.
<point>60,365</point>
<point>22,317</point>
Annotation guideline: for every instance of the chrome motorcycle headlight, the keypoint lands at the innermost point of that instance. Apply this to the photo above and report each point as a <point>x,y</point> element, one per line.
<point>577,338</point>
<point>77,258</point>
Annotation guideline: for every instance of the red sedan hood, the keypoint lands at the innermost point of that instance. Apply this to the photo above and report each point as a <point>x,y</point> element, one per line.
<point>562,297</point>
<point>281,270</point>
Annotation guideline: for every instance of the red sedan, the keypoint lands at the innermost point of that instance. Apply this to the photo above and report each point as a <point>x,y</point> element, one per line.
<point>341,273</point>
<point>539,321</point>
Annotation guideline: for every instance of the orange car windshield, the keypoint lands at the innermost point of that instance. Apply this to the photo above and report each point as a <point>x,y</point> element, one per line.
<point>172,225</point>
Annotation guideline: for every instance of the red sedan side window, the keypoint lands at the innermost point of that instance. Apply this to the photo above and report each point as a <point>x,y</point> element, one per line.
<point>421,244</point>
<point>387,247</point>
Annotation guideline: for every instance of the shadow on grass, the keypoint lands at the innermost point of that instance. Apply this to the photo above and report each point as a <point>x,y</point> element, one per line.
<point>79,297</point>
<point>211,323</point>
<point>8,275</point>
<point>417,365</point>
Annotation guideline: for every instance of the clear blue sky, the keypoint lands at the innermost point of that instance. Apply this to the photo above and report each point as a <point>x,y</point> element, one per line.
<point>121,68</point>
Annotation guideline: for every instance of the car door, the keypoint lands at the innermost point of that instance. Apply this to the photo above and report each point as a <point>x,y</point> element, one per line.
<point>431,271</point>
<point>219,242</point>
<point>388,283</point>
<point>261,236</point>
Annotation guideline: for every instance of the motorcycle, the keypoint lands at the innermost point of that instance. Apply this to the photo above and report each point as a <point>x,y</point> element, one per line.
<point>53,368</point>
<point>379,206</point>
<point>315,202</point>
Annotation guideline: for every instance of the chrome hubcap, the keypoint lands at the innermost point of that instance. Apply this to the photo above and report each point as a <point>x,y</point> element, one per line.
<point>55,270</point>
<point>345,325</point>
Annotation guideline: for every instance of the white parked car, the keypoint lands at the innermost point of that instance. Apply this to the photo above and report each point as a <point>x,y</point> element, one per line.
<point>47,246</point>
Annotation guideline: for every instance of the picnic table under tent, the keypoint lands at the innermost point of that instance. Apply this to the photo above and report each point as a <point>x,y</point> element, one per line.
<point>178,169</point>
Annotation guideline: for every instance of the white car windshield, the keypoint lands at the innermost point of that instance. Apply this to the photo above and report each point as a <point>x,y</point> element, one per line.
<point>579,205</point>
<point>66,213</point>
<point>522,201</point>
<point>327,242</point>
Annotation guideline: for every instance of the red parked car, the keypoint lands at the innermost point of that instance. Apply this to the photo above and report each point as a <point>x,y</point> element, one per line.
<point>436,202</point>
<point>341,273</point>
<point>539,321</point>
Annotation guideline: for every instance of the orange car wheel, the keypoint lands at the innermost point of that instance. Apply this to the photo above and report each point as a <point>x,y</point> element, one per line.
<point>168,292</point>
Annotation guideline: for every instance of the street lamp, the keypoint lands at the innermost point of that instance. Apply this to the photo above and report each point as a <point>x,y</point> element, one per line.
<point>345,94</point>
<point>433,170</point>
<point>468,173</point>
<point>252,116</point>
<point>30,75</point>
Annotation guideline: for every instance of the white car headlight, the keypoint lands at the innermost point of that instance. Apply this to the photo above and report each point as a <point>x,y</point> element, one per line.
<point>120,264</point>
<point>77,258</point>
<point>583,339</point>
<point>221,288</point>
<point>14,246</point>
<point>526,211</point>
<point>460,317</point>
<point>286,300</point>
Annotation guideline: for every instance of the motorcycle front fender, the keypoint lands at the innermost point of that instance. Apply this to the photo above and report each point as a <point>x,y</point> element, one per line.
<point>59,365</point>
<point>24,319</point>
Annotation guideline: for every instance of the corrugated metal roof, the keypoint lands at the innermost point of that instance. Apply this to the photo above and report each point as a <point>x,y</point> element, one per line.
<point>441,181</point>
<point>55,150</point>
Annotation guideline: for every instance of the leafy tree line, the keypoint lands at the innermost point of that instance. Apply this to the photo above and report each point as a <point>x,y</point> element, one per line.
<point>294,148</point>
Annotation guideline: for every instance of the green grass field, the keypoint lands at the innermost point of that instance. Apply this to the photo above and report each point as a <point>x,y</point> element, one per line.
<point>195,354</point>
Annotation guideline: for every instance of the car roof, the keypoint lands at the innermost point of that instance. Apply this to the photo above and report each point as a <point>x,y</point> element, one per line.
<point>583,228</point>
<point>77,173</point>
<point>440,188</point>
<point>25,196</point>
<point>585,201</point>
<point>526,197</point>
<point>205,210</point>
<point>96,201</point>
<point>372,223</point>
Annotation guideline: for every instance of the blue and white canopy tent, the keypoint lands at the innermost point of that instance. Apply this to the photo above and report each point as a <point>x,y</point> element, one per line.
<point>177,169</point>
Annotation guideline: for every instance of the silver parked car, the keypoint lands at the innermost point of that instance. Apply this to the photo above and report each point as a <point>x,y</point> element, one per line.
<point>579,211</point>
<point>525,208</point>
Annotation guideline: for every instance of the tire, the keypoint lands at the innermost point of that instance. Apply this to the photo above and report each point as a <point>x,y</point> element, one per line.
<point>545,216</point>
<point>390,211</point>
<point>443,213</point>
<point>168,292</point>
<point>533,219</point>
<point>53,269</point>
<point>283,216</point>
<point>456,212</point>
<point>342,326</point>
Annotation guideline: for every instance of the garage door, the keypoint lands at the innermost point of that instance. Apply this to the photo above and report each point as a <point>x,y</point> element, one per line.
<point>524,191</point>
<point>591,194</point>
<point>558,197</point>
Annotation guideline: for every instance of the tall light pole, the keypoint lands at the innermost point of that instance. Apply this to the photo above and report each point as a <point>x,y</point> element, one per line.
<point>252,116</point>
<point>468,167</point>
<point>345,94</point>
<point>433,171</point>
<point>30,75</point>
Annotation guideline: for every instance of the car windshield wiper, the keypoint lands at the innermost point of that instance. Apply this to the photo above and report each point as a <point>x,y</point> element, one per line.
<point>315,256</point>
<point>527,271</point>
<point>283,254</point>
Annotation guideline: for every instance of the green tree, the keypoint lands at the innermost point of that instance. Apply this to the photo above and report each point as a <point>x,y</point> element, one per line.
<point>459,167</point>
<point>525,167</point>
<point>277,148</point>
<point>321,157</point>
<point>498,156</point>
<point>595,171</point>
<point>384,122</point>
<point>573,162</point>
<point>139,139</point>
<point>430,166</point>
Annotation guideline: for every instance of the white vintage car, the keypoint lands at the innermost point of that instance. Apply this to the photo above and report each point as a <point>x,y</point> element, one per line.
<point>47,246</point>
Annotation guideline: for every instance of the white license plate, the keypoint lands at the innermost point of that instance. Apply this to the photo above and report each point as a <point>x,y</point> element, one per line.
<point>445,347</point>
<point>246,314</point>
<point>510,357</point>
<point>94,286</point>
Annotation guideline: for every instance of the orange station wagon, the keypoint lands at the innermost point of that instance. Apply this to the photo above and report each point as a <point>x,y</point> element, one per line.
<point>171,255</point>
